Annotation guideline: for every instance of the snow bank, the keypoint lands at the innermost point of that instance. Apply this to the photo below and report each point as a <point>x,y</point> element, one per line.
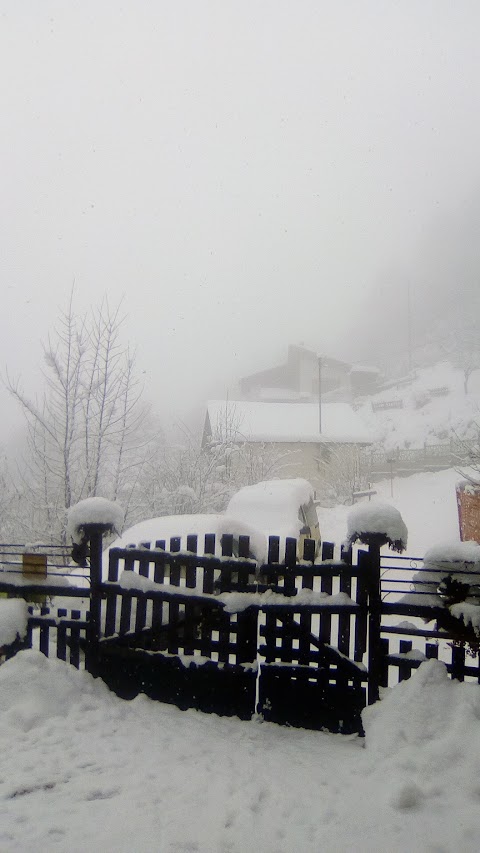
<point>33,689</point>
<point>426,731</point>
<point>377,517</point>
<point>13,620</point>
<point>77,761</point>
<point>93,511</point>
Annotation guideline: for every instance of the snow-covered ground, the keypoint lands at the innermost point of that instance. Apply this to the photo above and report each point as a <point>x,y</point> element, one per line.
<point>84,770</point>
<point>427,503</point>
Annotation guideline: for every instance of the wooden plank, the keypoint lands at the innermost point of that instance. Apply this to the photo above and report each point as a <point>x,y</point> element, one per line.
<point>344,619</point>
<point>458,663</point>
<point>191,569</point>
<point>372,567</point>
<point>244,571</point>
<point>113,570</point>
<point>405,669</point>
<point>173,605</point>
<point>44,632</point>
<point>305,622</point>
<point>126,612</point>
<point>309,548</point>
<point>362,600</point>
<point>269,632</point>
<point>140,613</point>
<point>111,614</point>
<point>384,657</point>
<point>208,571</point>
<point>326,585</point>
<point>328,550</point>
<point>144,563</point>
<point>61,635</point>
<point>34,565</point>
<point>75,633</point>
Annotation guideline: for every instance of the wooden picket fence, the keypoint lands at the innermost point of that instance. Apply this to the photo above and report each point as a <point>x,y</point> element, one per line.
<point>301,642</point>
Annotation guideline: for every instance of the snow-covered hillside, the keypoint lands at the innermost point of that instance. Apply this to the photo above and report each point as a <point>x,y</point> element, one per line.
<point>428,407</point>
<point>427,503</point>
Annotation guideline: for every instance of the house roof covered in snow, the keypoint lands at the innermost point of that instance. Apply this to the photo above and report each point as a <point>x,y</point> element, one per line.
<point>242,420</point>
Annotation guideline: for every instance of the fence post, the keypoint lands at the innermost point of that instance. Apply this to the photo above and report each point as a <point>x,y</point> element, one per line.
<point>375,664</point>
<point>94,534</point>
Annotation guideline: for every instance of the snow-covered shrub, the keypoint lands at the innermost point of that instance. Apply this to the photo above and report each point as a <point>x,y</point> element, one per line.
<point>450,579</point>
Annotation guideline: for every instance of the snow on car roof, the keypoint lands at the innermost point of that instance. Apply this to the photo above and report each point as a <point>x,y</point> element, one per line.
<point>167,526</point>
<point>272,505</point>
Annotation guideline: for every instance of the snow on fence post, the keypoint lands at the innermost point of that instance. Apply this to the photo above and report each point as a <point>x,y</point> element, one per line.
<point>87,523</point>
<point>94,535</point>
<point>375,524</point>
<point>372,566</point>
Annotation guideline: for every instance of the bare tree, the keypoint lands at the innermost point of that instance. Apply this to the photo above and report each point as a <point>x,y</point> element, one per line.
<point>193,476</point>
<point>339,473</point>
<point>85,434</point>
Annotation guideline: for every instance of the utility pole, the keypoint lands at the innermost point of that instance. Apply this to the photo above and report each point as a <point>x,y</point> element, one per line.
<point>319,394</point>
<point>409,328</point>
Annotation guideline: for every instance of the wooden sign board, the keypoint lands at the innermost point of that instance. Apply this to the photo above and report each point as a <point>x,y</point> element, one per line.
<point>34,564</point>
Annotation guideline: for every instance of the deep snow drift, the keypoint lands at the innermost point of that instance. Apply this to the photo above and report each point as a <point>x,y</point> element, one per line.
<point>83,770</point>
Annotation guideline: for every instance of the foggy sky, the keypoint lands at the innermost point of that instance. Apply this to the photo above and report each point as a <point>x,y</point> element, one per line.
<point>244,175</point>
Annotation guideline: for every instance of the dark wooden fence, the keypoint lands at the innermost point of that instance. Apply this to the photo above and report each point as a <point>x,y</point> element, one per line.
<point>305,643</point>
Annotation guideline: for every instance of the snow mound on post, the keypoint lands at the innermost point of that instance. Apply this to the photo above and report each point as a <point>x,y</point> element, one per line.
<point>378,519</point>
<point>13,620</point>
<point>93,511</point>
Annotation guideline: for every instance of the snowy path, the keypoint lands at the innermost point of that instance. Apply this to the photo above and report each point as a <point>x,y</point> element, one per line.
<point>83,770</point>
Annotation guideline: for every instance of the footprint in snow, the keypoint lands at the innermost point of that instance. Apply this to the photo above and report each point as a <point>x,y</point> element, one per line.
<point>101,794</point>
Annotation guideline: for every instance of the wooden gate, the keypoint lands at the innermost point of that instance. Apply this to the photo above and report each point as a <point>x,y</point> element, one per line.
<point>313,644</point>
<point>166,631</point>
<point>218,634</point>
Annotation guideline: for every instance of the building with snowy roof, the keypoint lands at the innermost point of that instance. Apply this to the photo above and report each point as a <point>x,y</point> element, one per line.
<point>323,445</point>
<point>297,379</point>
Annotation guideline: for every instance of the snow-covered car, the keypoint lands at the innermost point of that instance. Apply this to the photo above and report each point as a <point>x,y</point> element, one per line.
<point>279,508</point>
<point>165,527</point>
<point>272,508</point>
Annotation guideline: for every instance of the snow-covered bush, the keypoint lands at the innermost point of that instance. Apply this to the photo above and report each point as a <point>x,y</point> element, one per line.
<point>450,573</point>
<point>450,579</point>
